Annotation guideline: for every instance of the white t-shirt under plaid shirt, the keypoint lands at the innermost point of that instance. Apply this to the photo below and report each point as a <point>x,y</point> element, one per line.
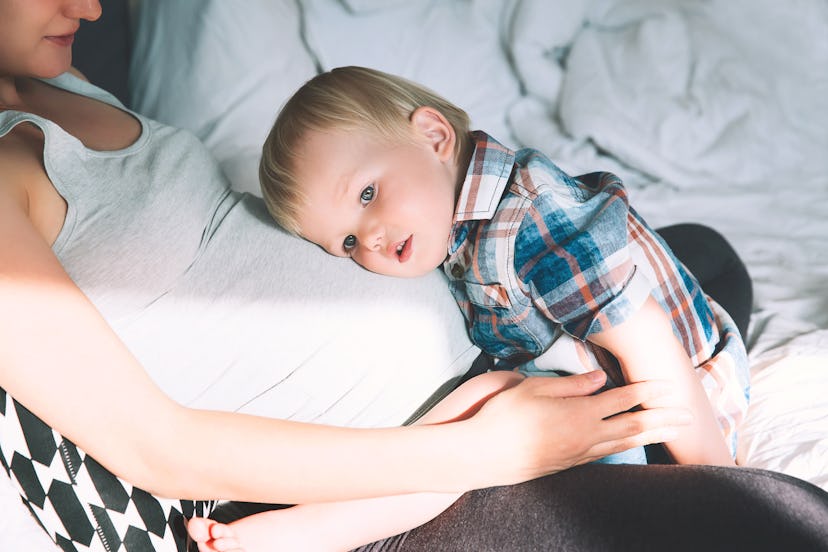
<point>538,261</point>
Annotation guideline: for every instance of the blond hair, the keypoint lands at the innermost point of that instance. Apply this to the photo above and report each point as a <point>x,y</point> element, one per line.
<point>349,99</point>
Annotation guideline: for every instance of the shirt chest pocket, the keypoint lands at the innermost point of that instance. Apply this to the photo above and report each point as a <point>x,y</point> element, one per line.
<point>488,295</point>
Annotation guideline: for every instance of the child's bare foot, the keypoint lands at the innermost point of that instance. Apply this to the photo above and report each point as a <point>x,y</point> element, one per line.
<point>212,536</point>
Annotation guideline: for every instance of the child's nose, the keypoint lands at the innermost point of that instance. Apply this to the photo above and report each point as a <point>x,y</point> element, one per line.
<point>372,237</point>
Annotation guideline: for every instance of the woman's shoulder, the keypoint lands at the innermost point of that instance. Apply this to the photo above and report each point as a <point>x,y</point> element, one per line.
<point>25,184</point>
<point>20,167</point>
<point>20,154</point>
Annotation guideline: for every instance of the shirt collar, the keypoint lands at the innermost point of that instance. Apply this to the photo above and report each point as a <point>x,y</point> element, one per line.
<point>487,177</point>
<point>489,170</point>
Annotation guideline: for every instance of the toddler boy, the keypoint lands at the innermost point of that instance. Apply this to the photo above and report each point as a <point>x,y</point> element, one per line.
<point>551,271</point>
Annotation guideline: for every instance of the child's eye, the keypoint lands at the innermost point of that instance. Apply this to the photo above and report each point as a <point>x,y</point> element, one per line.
<point>367,195</point>
<point>349,242</point>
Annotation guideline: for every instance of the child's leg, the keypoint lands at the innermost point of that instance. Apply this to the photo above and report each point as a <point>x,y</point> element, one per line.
<point>467,399</point>
<point>346,525</point>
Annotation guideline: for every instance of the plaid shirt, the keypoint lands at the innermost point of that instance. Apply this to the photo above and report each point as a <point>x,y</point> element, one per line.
<point>538,261</point>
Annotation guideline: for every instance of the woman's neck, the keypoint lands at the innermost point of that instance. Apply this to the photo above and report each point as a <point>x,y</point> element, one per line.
<point>10,96</point>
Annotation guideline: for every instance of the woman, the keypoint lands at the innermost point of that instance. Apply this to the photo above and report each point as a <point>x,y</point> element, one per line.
<point>93,198</point>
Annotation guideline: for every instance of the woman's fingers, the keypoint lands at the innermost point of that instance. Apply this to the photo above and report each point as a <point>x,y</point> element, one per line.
<point>578,385</point>
<point>639,428</point>
<point>602,423</point>
<point>559,422</point>
<point>621,399</point>
<point>607,403</point>
<point>621,429</point>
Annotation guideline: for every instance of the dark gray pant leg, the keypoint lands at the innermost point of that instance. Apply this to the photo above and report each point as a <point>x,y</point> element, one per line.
<point>632,508</point>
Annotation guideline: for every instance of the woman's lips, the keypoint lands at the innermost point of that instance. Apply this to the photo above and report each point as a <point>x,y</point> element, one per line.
<point>62,40</point>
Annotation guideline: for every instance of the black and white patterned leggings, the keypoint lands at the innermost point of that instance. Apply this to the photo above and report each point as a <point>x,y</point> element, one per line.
<point>80,504</point>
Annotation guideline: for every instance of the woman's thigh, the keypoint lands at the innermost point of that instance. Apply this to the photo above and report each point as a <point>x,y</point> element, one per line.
<point>620,508</point>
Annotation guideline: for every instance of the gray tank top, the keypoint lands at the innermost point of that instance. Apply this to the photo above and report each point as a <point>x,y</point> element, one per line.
<point>223,309</point>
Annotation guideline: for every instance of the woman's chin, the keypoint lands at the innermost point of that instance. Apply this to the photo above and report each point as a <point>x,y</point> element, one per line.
<point>54,67</point>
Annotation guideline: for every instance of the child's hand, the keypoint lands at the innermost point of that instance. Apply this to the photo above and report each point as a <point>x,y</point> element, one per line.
<point>212,536</point>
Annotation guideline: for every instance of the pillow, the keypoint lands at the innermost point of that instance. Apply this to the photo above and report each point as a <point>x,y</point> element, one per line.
<point>221,68</point>
<point>454,48</point>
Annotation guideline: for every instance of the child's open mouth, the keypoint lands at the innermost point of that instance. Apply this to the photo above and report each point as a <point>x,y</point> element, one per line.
<point>404,249</point>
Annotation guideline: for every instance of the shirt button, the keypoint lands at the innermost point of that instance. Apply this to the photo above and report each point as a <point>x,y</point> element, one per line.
<point>457,271</point>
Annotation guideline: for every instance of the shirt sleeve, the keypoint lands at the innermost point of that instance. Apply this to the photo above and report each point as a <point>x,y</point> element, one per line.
<point>573,256</point>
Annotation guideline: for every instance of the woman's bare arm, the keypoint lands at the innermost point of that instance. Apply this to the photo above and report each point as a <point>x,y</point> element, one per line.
<point>332,526</point>
<point>345,525</point>
<point>59,357</point>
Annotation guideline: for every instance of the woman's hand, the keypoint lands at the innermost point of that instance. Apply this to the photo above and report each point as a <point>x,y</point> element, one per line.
<point>547,424</point>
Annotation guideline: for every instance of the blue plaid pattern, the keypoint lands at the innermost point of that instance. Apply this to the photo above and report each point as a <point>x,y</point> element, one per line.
<point>539,261</point>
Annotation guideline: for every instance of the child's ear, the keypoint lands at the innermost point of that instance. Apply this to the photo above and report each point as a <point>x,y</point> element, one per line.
<point>432,125</point>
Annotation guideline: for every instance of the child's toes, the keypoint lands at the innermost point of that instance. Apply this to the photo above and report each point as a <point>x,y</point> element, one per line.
<point>226,544</point>
<point>221,531</point>
<point>199,529</point>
